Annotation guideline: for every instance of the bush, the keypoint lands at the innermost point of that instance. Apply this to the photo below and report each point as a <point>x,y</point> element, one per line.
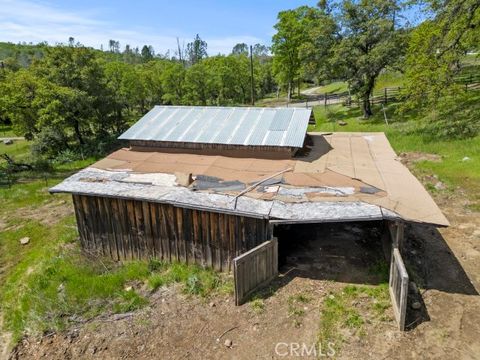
<point>66,156</point>
<point>49,142</point>
<point>455,117</point>
<point>42,165</point>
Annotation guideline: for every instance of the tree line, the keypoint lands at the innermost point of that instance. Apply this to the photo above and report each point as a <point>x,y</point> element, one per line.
<point>70,96</point>
<point>67,96</point>
<point>356,40</point>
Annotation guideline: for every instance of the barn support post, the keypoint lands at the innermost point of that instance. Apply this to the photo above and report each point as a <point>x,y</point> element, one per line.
<point>396,229</point>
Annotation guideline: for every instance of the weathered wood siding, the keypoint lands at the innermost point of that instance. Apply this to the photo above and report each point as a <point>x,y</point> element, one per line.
<point>254,269</point>
<point>149,144</point>
<point>130,229</point>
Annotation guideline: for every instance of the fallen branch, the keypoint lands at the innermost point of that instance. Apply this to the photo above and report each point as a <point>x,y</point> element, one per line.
<point>16,166</point>
<point>226,331</point>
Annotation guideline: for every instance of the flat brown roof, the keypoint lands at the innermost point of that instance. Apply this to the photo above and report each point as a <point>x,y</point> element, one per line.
<point>338,169</point>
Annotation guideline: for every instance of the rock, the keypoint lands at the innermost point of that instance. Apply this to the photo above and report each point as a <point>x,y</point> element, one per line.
<point>228,343</point>
<point>128,288</point>
<point>342,123</point>
<point>94,350</point>
<point>466,158</point>
<point>212,304</point>
<point>25,240</point>
<point>416,305</point>
<point>440,186</point>
<point>8,141</point>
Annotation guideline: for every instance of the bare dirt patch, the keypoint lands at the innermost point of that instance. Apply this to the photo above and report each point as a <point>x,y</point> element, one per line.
<point>49,214</point>
<point>412,157</point>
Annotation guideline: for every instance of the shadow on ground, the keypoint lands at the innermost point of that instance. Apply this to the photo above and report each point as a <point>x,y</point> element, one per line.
<point>352,253</point>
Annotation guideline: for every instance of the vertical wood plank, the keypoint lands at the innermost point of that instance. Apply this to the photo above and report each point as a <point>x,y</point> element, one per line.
<point>119,234</point>
<point>132,232</point>
<point>147,221</point>
<point>111,234</point>
<point>156,236</point>
<point>77,205</point>
<point>196,238</point>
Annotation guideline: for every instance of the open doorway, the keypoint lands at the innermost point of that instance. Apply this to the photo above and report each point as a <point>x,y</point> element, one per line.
<point>344,252</point>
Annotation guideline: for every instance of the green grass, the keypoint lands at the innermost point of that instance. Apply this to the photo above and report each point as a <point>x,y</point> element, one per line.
<point>296,307</point>
<point>403,138</point>
<point>195,279</point>
<point>343,309</point>
<point>257,305</point>
<point>49,284</point>
<point>389,79</point>
<point>7,131</point>
<point>334,87</point>
<point>19,150</point>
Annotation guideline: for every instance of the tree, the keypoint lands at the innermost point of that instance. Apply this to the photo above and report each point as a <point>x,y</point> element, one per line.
<point>114,46</point>
<point>147,53</point>
<point>78,76</point>
<point>196,85</point>
<point>435,50</point>
<point>434,61</point>
<point>173,82</point>
<point>196,50</point>
<point>20,93</point>
<point>286,44</point>
<point>240,49</point>
<point>260,50</point>
<point>370,42</point>
<point>321,35</point>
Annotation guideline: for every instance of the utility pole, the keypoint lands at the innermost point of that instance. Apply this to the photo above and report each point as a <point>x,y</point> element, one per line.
<point>180,53</point>
<point>251,75</point>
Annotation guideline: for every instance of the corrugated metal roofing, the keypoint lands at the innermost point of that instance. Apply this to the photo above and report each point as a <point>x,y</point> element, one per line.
<point>222,125</point>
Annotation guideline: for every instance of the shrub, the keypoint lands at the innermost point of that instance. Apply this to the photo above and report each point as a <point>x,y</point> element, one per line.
<point>66,156</point>
<point>49,142</point>
<point>455,117</point>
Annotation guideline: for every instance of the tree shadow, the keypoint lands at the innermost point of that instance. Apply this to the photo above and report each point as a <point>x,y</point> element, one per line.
<point>315,147</point>
<point>432,264</point>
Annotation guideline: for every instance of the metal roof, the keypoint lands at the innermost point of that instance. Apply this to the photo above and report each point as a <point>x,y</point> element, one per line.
<point>247,126</point>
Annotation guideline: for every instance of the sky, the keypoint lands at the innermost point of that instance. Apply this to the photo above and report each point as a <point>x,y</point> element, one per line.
<point>158,23</point>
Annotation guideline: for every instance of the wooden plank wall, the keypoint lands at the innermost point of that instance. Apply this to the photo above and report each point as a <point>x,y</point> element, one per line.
<point>254,269</point>
<point>131,229</point>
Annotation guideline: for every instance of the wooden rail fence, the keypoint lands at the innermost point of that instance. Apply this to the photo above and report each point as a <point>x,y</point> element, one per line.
<point>254,269</point>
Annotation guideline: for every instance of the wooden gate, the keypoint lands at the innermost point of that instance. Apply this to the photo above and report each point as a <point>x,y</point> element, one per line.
<point>254,269</point>
<point>398,286</point>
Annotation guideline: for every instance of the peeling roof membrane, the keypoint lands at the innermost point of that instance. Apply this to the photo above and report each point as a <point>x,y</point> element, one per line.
<point>337,191</point>
<point>247,126</point>
<point>344,177</point>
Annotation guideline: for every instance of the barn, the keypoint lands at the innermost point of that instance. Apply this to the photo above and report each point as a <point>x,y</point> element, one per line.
<point>209,185</point>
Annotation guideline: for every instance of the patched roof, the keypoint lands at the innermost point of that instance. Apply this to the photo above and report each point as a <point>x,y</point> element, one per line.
<point>248,126</point>
<point>343,177</point>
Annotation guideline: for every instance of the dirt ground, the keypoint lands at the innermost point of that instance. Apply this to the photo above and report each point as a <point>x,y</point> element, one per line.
<point>444,263</point>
